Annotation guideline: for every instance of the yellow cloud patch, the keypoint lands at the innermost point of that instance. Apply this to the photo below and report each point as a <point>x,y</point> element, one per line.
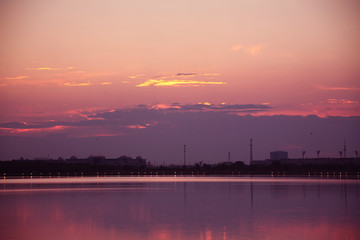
<point>205,103</point>
<point>106,83</point>
<point>15,78</point>
<point>177,83</point>
<point>47,68</point>
<point>186,75</point>
<point>136,76</point>
<point>81,84</point>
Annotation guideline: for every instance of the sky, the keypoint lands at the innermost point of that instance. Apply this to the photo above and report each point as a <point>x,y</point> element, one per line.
<point>145,78</point>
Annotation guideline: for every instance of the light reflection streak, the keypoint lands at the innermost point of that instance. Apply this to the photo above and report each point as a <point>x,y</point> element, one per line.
<point>46,190</point>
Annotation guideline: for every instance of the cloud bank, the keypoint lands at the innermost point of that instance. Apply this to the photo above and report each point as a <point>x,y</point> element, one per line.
<point>158,132</point>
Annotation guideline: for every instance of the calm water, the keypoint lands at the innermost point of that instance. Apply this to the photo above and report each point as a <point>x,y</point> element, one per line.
<point>179,208</point>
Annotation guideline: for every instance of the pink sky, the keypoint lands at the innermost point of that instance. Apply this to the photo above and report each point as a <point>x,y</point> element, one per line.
<point>61,59</point>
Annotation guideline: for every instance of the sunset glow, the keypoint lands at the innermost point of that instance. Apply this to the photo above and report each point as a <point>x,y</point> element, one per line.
<point>73,62</point>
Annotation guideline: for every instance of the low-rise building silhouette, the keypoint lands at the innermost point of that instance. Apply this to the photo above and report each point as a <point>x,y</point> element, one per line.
<point>278,155</point>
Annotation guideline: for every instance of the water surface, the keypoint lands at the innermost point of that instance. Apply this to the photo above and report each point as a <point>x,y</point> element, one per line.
<point>179,208</point>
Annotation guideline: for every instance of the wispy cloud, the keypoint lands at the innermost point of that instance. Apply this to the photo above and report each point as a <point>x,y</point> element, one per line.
<point>332,107</point>
<point>337,88</point>
<point>253,50</point>
<point>136,126</point>
<point>44,68</point>
<point>185,75</point>
<point>136,76</point>
<point>84,84</point>
<point>206,106</point>
<point>34,130</point>
<point>182,79</point>
<point>177,83</point>
<point>74,84</point>
<point>237,48</point>
<point>50,68</point>
<point>342,101</point>
<point>16,78</point>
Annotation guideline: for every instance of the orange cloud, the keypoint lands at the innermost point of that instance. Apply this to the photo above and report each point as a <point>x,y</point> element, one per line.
<point>72,84</point>
<point>46,68</point>
<point>342,101</point>
<point>89,117</point>
<point>332,107</point>
<point>19,131</point>
<point>177,83</point>
<point>210,74</point>
<point>236,48</point>
<point>50,69</point>
<point>16,78</point>
<point>136,76</point>
<point>337,88</point>
<point>136,126</point>
<point>255,50</point>
<point>142,126</point>
<point>206,103</point>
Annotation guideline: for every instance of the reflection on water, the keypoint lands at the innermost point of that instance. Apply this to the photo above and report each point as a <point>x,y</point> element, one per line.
<point>179,208</point>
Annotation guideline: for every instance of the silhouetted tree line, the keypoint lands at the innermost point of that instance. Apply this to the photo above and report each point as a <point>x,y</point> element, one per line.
<point>63,168</point>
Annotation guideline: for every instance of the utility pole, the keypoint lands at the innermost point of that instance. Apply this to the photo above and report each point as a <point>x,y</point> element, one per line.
<point>251,151</point>
<point>229,157</point>
<point>184,155</point>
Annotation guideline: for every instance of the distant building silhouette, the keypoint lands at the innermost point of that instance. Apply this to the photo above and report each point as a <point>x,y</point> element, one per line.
<point>278,155</point>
